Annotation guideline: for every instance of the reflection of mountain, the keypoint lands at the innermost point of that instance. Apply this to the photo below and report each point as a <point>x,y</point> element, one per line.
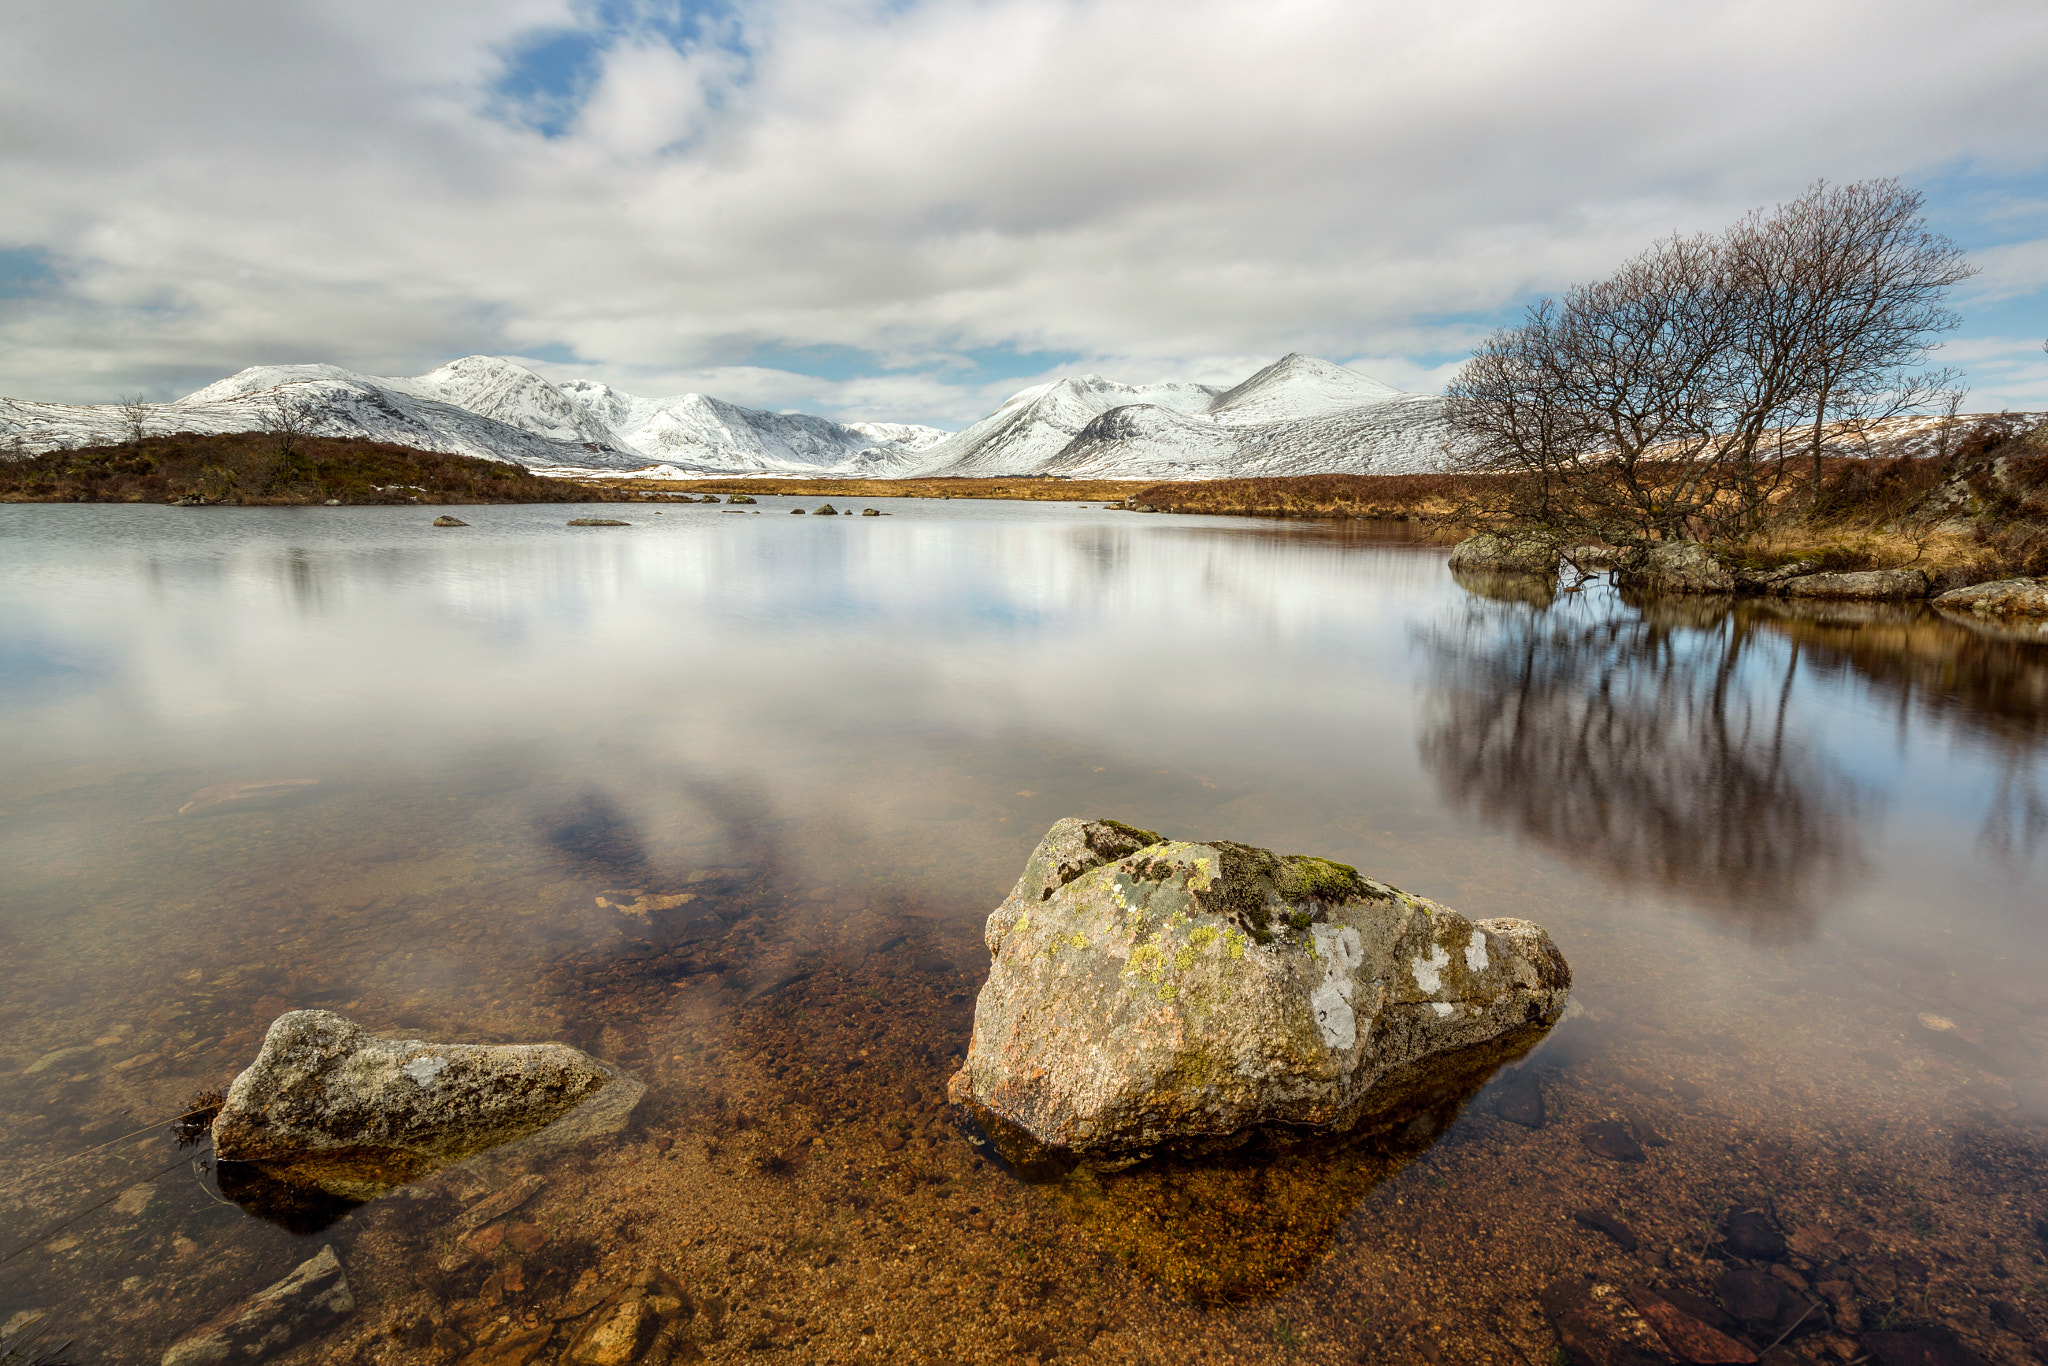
<point>1650,746</point>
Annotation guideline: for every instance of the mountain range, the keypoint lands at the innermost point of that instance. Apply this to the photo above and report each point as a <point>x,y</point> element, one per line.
<point>1299,415</point>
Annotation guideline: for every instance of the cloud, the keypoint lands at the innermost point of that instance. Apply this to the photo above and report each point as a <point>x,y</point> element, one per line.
<point>667,191</point>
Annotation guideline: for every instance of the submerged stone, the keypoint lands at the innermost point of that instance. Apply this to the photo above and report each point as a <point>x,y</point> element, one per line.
<point>1148,992</point>
<point>329,1107</point>
<point>315,1297</point>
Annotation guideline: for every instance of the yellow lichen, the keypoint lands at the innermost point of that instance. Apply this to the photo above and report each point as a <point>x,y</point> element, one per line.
<point>1233,940</point>
<point>1079,941</point>
<point>1185,959</point>
<point>1203,936</point>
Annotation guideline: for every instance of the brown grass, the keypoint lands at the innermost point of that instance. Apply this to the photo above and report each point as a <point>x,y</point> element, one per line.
<point>246,468</point>
<point>1384,497</point>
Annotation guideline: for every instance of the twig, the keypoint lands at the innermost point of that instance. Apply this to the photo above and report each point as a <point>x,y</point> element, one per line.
<point>1811,1306</point>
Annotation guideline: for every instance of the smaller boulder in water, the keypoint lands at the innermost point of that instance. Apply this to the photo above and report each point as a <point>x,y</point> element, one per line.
<point>445,520</point>
<point>329,1106</point>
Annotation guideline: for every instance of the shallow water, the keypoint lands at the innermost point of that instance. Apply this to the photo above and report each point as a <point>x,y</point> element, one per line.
<point>1796,862</point>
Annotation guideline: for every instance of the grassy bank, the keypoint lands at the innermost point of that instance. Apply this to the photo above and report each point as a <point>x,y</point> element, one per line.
<point>252,469</point>
<point>1381,497</point>
<point>1978,512</point>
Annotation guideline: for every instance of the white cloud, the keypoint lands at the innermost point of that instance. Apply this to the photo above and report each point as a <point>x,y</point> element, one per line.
<point>1156,188</point>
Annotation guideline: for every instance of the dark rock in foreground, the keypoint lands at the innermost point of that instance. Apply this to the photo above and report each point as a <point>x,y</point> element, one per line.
<point>1148,992</point>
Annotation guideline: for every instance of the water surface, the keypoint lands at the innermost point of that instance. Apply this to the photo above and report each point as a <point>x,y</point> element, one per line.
<point>1795,862</point>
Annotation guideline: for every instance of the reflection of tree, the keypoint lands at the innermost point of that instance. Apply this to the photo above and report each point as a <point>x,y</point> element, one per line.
<point>1653,746</point>
<point>1991,686</point>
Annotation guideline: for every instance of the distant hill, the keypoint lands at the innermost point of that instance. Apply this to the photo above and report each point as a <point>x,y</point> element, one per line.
<point>249,469</point>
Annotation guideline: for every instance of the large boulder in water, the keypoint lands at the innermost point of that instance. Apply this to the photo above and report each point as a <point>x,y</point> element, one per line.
<point>330,1106</point>
<point>1147,992</point>
<point>1526,552</point>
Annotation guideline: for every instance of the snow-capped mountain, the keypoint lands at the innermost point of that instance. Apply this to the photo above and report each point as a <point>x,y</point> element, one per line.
<point>1299,415</point>
<point>497,409</point>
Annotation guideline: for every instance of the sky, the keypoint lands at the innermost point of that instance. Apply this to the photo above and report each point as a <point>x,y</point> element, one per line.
<point>908,209</point>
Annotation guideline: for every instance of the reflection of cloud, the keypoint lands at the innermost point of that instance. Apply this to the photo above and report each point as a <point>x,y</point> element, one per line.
<point>1649,747</point>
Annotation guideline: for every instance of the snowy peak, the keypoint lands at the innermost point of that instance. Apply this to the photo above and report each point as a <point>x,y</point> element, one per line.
<point>508,392</point>
<point>1092,425</point>
<point>259,379</point>
<point>1296,387</point>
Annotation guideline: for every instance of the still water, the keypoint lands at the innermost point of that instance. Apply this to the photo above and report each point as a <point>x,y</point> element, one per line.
<point>1796,861</point>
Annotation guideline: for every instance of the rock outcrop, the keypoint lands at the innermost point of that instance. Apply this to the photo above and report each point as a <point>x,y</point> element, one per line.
<point>1680,567</point>
<point>1865,585</point>
<point>314,1298</point>
<point>1522,553</point>
<point>329,1106</point>
<point>1148,992</point>
<point>2004,597</point>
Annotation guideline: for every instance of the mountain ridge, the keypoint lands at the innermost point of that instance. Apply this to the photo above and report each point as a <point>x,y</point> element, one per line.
<point>1298,415</point>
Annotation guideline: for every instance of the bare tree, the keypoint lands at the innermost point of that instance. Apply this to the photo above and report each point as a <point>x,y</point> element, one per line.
<point>1851,285</point>
<point>135,412</point>
<point>1628,410</point>
<point>1667,401</point>
<point>286,419</point>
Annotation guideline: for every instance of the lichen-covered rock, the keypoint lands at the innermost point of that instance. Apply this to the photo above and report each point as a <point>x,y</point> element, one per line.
<point>327,1105</point>
<point>1881,585</point>
<point>1147,991</point>
<point>2004,597</point>
<point>1769,580</point>
<point>302,1305</point>
<point>1526,552</point>
<point>1680,567</point>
